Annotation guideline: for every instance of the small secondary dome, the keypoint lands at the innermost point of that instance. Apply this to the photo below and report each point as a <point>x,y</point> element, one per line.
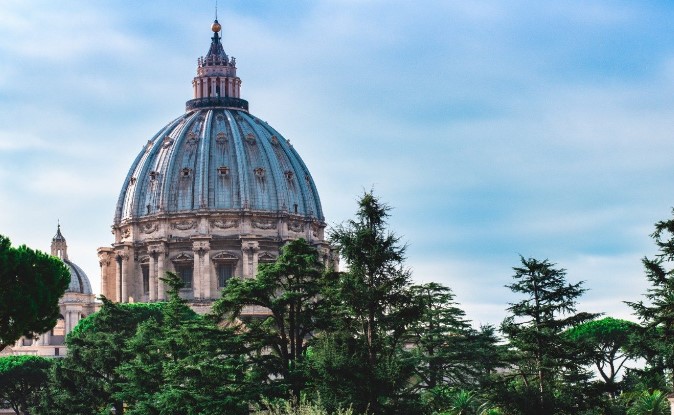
<point>79,282</point>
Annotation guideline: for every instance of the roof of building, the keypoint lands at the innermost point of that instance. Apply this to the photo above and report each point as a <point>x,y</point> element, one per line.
<point>79,282</point>
<point>217,157</point>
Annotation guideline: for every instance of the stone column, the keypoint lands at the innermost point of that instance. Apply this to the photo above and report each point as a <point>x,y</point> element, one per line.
<point>118,279</point>
<point>161,256</point>
<point>106,258</point>
<point>250,249</point>
<point>670,398</point>
<point>124,278</point>
<point>67,322</point>
<point>152,277</point>
<point>202,277</point>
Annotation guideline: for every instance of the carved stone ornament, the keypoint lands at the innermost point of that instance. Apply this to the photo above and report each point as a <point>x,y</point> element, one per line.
<point>225,223</point>
<point>184,225</point>
<point>250,138</point>
<point>274,140</point>
<point>219,118</point>
<point>295,226</point>
<point>149,227</point>
<point>168,141</point>
<point>220,138</point>
<point>182,257</point>
<point>315,229</point>
<point>224,257</point>
<point>126,232</point>
<point>266,257</point>
<point>201,247</point>
<point>155,249</point>
<point>264,224</point>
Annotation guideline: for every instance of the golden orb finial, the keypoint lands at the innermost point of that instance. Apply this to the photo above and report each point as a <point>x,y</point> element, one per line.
<point>215,27</point>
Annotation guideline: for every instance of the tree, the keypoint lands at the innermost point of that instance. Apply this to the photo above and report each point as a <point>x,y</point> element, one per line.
<point>87,380</point>
<point>372,302</point>
<point>21,379</point>
<point>448,352</point>
<point>544,361</point>
<point>657,315</point>
<point>183,363</point>
<point>31,284</point>
<point>290,290</point>
<point>606,342</point>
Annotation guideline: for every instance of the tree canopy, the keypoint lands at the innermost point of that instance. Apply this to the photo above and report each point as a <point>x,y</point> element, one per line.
<point>21,379</point>
<point>31,284</point>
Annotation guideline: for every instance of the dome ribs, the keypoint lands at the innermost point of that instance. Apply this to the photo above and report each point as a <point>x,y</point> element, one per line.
<point>206,160</point>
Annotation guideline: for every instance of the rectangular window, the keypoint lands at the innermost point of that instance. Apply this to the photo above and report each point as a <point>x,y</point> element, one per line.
<point>185,273</point>
<point>145,269</point>
<point>225,272</point>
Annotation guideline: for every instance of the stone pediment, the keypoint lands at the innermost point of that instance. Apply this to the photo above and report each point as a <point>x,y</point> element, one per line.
<point>266,257</point>
<point>182,257</point>
<point>225,257</point>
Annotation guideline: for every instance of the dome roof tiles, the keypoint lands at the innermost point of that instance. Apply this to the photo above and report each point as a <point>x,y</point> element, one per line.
<point>217,159</point>
<point>79,282</point>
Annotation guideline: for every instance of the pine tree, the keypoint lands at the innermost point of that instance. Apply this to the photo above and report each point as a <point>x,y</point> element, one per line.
<point>542,359</point>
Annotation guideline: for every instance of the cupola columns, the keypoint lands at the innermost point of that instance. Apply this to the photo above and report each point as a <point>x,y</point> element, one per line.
<point>59,247</point>
<point>216,72</point>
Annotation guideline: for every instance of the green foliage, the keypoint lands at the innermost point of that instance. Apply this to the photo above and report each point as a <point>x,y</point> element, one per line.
<point>606,342</point>
<point>21,380</point>
<point>650,403</point>
<point>545,369</point>
<point>373,309</point>
<point>87,380</point>
<point>290,290</point>
<point>303,407</point>
<point>447,350</point>
<point>657,314</point>
<point>184,364</point>
<point>31,283</point>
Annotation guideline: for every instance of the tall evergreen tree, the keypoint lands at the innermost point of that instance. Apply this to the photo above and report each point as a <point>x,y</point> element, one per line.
<point>184,364</point>
<point>289,290</point>
<point>657,314</point>
<point>544,361</point>
<point>373,302</point>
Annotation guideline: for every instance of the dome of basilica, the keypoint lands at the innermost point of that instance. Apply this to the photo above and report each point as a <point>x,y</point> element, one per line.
<point>213,194</point>
<point>217,159</point>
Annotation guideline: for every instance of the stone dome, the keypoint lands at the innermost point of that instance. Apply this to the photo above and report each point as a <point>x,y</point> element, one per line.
<point>217,159</point>
<point>79,282</point>
<point>210,196</point>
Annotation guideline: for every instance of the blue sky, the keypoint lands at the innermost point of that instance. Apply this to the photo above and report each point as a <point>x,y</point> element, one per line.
<point>492,128</point>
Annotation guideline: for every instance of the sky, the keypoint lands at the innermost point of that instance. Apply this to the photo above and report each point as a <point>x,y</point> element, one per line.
<point>493,129</point>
